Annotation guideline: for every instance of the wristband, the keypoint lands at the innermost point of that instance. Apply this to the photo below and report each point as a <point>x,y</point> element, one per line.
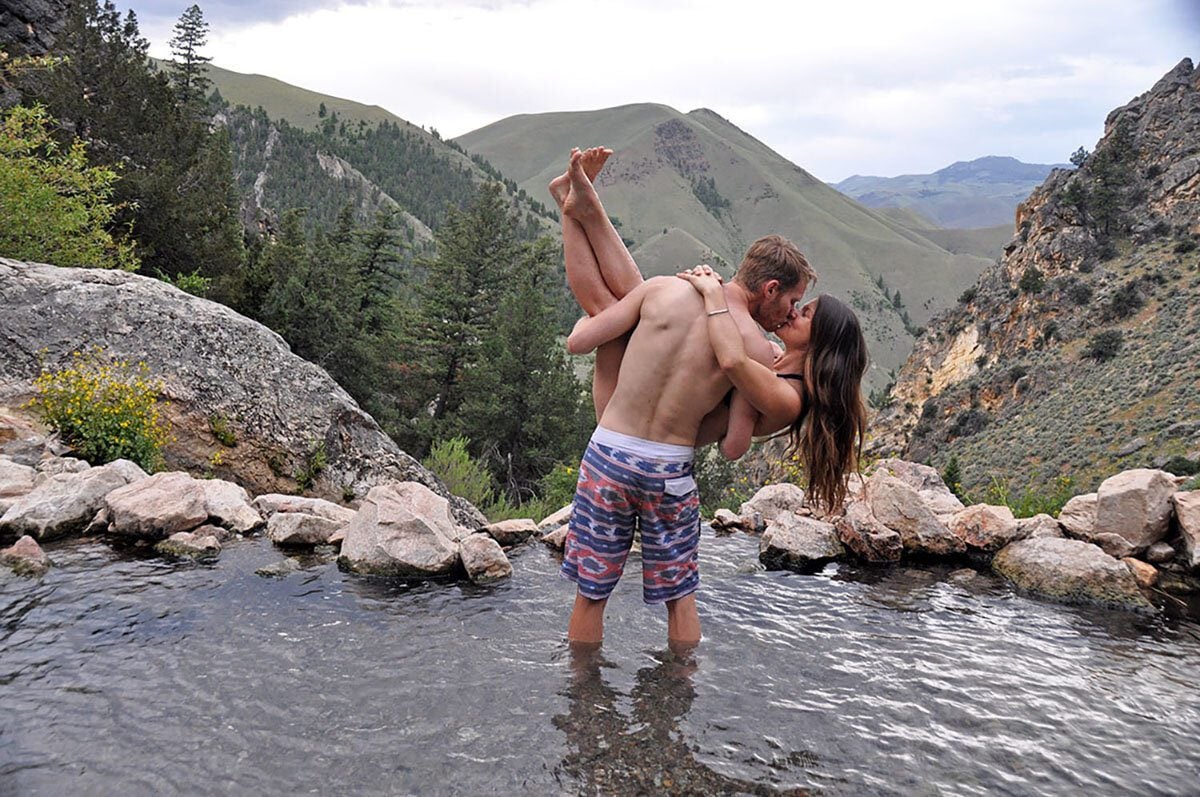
<point>718,312</point>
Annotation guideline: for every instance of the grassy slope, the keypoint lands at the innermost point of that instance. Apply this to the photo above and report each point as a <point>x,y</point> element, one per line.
<point>848,244</point>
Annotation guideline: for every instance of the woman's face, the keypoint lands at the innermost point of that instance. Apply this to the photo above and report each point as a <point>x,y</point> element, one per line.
<point>797,330</point>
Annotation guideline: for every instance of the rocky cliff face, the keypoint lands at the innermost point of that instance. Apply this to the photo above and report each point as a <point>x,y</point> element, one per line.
<point>241,405</point>
<point>29,27</point>
<point>1077,351</point>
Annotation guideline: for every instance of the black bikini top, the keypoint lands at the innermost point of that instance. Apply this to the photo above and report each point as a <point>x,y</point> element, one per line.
<point>797,377</point>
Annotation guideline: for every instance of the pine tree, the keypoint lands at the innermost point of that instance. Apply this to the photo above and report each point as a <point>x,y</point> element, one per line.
<point>189,68</point>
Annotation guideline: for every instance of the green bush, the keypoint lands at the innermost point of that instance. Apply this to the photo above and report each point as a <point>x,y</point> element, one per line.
<point>1030,500</point>
<point>1126,301</point>
<point>314,465</point>
<point>722,484</point>
<point>1185,246</point>
<point>104,410</point>
<point>1104,345</point>
<point>1032,281</point>
<point>1182,466</point>
<point>462,474</point>
<point>219,426</point>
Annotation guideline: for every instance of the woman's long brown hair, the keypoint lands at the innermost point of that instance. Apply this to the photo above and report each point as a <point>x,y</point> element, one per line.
<point>829,432</point>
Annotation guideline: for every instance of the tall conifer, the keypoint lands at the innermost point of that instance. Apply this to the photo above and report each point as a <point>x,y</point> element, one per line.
<point>189,68</point>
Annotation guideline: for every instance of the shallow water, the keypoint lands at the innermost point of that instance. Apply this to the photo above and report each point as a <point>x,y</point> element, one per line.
<point>131,675</point>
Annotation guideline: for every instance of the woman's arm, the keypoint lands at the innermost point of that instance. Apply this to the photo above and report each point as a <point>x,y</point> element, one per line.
<point>610,324</point>
<point>742,418</point>
<point>773,397</point>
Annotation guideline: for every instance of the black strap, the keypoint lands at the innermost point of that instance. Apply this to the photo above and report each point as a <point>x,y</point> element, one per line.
<point>797,377</point>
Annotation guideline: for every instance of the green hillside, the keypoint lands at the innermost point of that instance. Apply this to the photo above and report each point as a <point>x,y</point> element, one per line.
<point>713,189</point>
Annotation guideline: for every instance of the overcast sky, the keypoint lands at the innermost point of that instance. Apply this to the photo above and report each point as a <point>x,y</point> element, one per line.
<point>839,88</point>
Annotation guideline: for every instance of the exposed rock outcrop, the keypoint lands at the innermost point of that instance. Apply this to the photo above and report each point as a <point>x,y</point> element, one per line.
<point>214,363</point>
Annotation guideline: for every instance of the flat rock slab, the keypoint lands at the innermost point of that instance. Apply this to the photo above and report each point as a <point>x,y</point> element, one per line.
<point>26,557</point>
<point>301,529</point>
<point>157,507</point>
<point>65,503</point>
<point>795,542</point>
<point>511,532</point>
<point>270,503</point>
<point>1071,571</point>
<point>403,530</point>
<point>483,559</point>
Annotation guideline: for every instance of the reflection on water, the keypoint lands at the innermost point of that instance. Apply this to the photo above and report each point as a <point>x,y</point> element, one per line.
<point>130,674</point>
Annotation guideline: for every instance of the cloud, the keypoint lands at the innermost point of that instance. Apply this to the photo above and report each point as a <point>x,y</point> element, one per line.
<point>839,88</point>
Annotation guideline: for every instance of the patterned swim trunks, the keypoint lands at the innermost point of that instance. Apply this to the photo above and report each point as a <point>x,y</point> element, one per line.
<point>626,483</point>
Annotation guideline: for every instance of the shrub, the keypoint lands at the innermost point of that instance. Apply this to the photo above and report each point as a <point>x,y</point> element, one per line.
<point>1104,345</point>
<point>724,484</point>
<point>1032,281</point>
<point>1079,292</point>
<point>1030,501</point>
<point>104,410</point>
<point>462,474</point>
<point>194,283</point>
<point>1185,246</point>
<point>219,426</point>
<point>314,465</point>
<point>969,422</point>
<point>1016,372</point>
<point>967,296</point>
<point>952,476</point>
<point>1182,466</point>
<point>1126,301</point>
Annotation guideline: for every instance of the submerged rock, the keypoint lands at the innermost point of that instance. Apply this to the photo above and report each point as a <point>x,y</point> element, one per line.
<point>186,545</point>
<point>26,557</point>
<point>869,539</point>
<point>66,503</point>
<point>280,568</point>
<point>157,507</point>
<point>1071,571</point>
<point>511,532</point>
<point>795,542</point>
<point>402,530</point>
<point>483,559</point>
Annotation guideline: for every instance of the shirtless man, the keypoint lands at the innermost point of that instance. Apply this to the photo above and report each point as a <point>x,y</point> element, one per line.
<point>637,470</point>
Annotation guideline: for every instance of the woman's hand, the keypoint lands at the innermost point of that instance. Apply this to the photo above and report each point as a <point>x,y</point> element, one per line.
<point>703,279</point>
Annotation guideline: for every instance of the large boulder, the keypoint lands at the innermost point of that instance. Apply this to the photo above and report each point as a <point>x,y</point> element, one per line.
<point>898,506</point>
<point>985,528</point>
<point>1078,516</point>
<point>285,413</point>
<point>270,503</point>
<point>402,529</point>
<point>157,507</point>
<point>66,503</point>
<point>1071,571</point>
<point>293,529</point>
<point>869,539</point>
<point>483,559</point>
<point>16,480</point>
<point>795,542</point>
<point>769,503</point>
<point>556,519</point>
<point>928,483</point>
<point>1136,505</point>
<point>25,557</point>
<point>1038,526</point>
<point>1187,510</point>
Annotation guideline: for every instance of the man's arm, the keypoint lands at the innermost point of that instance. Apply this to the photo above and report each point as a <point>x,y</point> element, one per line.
<point>611,323</point>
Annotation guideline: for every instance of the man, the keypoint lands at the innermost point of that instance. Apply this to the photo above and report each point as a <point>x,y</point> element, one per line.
<point>637,470</point>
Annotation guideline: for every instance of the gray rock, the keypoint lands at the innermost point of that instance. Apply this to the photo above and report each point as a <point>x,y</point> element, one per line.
<point>771,502</point>
<point>986,528</point>
<point>869,539</point>
<point>898,506</point>
<point>402,530</point>
<point>483,559</point>
<point>1187,510</point>
<point>1146,575</point>
<point>186,545</point>
<point>928,483</point>
<point>1136,444</point>
<point>1160,553</point>
<point>270,503</point>
<point>157,507</point>
<point>1114,545</point>
<point>228,505</point>
<point>26,557</point>
<point>51,466</point>
<point>16,480</point>
<point>66,503</point>
<point>795,542</point>
<point>1135,504</point>
<point>511,532</point>
<point>214,362</point>
<point>725,520</point>
<point>559,518</point>
<point>1071,571</point>
<point>300,529</point>
<point>1078,516</point>
<point>556,538</point>
<point>1038,526</point>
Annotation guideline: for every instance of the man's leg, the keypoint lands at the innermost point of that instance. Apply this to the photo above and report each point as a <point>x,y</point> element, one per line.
<point>586,627</point>
<point>683,623</point>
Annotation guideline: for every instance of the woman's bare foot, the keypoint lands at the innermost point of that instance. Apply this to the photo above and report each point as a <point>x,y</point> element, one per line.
<point>593,160</point>
<point>582,202</point>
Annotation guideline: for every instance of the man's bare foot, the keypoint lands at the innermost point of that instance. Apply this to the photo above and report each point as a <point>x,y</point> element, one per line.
<point>582,202</point>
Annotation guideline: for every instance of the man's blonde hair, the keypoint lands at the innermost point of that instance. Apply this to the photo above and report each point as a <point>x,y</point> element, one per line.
<point>774,257</point>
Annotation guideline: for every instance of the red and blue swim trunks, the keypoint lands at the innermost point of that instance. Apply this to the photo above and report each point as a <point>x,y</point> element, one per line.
<point>627,483</point>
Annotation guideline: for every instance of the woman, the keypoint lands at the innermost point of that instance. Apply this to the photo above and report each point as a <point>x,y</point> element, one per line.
<point>816,386</point>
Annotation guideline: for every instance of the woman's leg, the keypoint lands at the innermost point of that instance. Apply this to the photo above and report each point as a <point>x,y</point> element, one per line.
<point>585,275</point>
<point>617,266</point>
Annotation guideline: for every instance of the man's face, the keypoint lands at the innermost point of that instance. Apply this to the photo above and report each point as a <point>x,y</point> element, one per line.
<point>775,305</point>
